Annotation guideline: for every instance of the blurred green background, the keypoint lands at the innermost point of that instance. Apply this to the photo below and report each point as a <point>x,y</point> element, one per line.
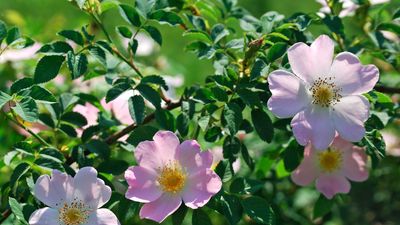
<point>375,202</point>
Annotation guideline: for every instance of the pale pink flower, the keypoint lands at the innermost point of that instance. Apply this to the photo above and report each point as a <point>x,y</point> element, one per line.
<point>119,107</point>
<point>16,55</point>
<point>392,143</point>
<point>169,172</point>
<point>72,201</point>
<point>90,112</point>
<point>332,169</point>
<point>218,156</point>
<point>349,6</point>
<point>323,95</point>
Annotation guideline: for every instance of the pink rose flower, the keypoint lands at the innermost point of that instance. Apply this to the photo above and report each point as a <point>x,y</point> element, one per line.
<point>72,201</point>
<point>332,168</point>
<point>169,172</point>
<point>349,6</point>
<point>323,95</point>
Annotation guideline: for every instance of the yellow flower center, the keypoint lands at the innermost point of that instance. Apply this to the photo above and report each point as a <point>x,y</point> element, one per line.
<point>172,178</point>
<point>330,160</point>
<point>73,214</point>
<point>324,92</point>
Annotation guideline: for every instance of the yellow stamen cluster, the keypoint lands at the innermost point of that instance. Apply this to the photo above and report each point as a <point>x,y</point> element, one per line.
<point>172,178</point>
<point>75,213</point>
<point>324,92</point>
<point>330,160</point>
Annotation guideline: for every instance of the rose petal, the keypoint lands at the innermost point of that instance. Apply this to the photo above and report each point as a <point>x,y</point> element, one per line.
<point>102,217</point>
<point>161,208</point>
<point>56,190</point>
<point>311,62</point>
<point>355,164</point>
<point>191,158</point>
<point>44,216</point>
<point>90,189</point>
<point>157,153</point>
<point>317,125</point>
<point>351,76</point>
<point>142,185</point>
<point>289,95</point>
<point>307,171</point>
<point>330,184</point>
<point>349,116</point>
<point>200,188</point>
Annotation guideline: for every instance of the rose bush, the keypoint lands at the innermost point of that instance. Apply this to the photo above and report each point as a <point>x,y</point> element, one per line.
<point>106,137</point>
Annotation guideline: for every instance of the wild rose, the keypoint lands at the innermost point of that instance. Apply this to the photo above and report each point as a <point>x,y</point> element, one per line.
<point>332,169</point>
<point>72,201</point>
<point>169,172</point>
<point>349,6</point>
<point>322,95</point>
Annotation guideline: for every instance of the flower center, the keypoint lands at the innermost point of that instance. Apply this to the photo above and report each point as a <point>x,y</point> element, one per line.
<point>172,178</point>
<point>324,92</point>
<point>330,160</point>
<point>73,214</point>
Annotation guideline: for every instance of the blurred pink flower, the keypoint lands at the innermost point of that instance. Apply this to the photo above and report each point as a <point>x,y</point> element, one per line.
<point>119,107</point>
<point>169,172</point>
<point>331,169</point>
<point>15,55</point>
<point>392,143</point>
<point>218,156</point>
<point>72,201</point>
<point>323,95</point>
<point>349,6</point>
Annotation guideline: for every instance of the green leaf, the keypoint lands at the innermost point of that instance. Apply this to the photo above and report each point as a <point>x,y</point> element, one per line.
<point>213,134</point>
<point>21,84</point>
<point>68,129</point>
<point>179,215</point>
<point>58,47</point>
<point>218,32</point>
<point>80,3</point>
<point>250,97</point>
<point>137,108</point>
<point>233,117</point>
<point>165,119</point>
<point>18,172</point>
<point>74,118</point>
<point>389,27</point>
<point>4,99</point>
<point>322,207</point>
<point>77,64</point>
<point>231,147</point>
<point>72,35</point>
<point>13,34</point>
<point>141,133</point>
<point>53,154</point>
<point>196,35</point>
<point>98,147</point>
<point>116,91</point>
<point>113,166</point>
<point>42,94</point>
<point>124,31</point>
<point>334,24</point>
<point>182,124</point>
<point>231,208</point>
<point>259,210</point>
<point>265,130</point>
<point>259,68</point>
<point>16,208</point>
<point>3,31</point>
<point>99,54</point>
<point>145,6</point>
<point>67,100</point>
<point>292,155</point>
<point>24,147</point>
<point>247,158</point>
<point>154,79</point>
<point>154,33</point>
<point>130,14</point>
<point>49,163</point>
<point>150,94</point>
<point>199,217</point>
<point>168,17</point>
<point>27,109</point>
<point>48,68</point>
<point>276,51</point>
